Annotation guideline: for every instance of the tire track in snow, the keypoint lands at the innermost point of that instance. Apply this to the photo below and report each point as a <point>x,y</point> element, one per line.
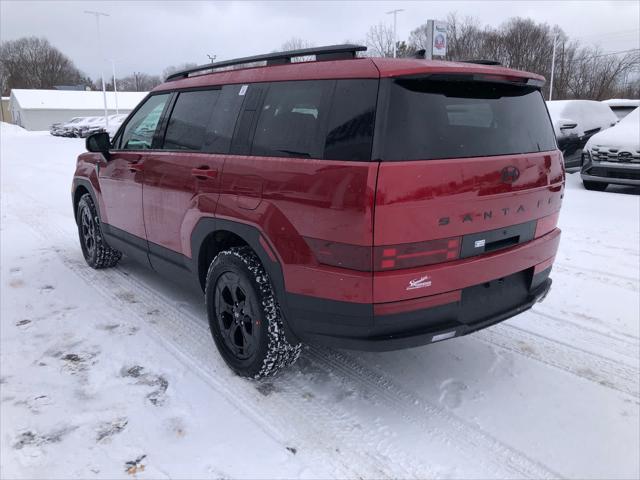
<point>437,420</point>
<point>567,266</point>
<point>554,353</point>
<point>606,278</point>
<point>315,428</point>
<point>186,335</point>
<point>615,342</point>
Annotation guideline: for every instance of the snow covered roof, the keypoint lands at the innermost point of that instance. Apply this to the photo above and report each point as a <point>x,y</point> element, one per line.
<point>622,102</point>
<point>73,99</point>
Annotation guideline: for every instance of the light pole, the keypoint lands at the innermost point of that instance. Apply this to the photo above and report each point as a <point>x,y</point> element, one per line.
<point>115,88</point>
<point>104,88</point>
<point>395,26</point>
<point>553,65</point>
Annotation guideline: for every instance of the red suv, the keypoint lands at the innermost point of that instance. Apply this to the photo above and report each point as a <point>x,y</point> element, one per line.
<point>363,203</point>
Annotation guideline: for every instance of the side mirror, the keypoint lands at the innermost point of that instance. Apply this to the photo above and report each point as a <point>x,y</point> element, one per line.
<point>567,124</point>
<point>99,142</point>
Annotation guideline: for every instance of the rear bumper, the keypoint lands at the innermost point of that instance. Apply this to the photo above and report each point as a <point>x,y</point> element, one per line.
<point>358,327</point>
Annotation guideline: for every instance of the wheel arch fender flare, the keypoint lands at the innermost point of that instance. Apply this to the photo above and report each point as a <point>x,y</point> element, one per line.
<point>88,186</point>
<point>258,242</point>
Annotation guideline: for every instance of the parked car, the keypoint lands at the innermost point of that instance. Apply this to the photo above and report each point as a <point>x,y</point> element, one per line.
<point>574,122</point>
<point>613,156</point>
<point>85,126</point>
<point>64,129</point>
<point>622,106</point>
<point>363,203</point>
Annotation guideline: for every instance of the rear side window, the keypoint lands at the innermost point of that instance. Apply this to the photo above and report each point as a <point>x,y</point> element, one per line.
<point>189,120</point>
<point>141,127</point>
<point>429,119</point>
<point>292,120</point>
<point>351,123</point>
<point>324,119</point>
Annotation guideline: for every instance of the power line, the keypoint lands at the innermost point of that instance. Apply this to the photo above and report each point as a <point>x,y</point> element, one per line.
<point>607,34</point>
<point>615,53</point>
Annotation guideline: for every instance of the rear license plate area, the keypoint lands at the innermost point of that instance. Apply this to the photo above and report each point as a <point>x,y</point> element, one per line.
<point>490,299</point>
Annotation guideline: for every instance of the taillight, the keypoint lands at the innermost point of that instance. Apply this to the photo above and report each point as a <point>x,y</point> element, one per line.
<point>419,254</point>
<point>343,255</point>
<point>545,224</point>
<point>388,257</point>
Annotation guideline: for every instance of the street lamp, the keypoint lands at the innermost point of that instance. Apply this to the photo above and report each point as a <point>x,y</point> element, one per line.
<point>395,32</point>
<point>115,87</point>
<point>553,65</point>
<point>104,88</point>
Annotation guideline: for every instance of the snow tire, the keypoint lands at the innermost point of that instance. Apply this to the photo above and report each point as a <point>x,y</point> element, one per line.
<point>97,253</point>
<point>272,351</point>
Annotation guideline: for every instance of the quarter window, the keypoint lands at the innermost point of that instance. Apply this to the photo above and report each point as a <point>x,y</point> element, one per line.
<point>352,119</point>
<point>141,127</point>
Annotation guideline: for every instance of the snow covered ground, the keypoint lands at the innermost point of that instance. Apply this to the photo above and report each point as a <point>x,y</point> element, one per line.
<point>113,373</point>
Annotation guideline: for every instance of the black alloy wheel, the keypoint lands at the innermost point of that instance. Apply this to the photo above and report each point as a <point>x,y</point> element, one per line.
<point>236,314</point>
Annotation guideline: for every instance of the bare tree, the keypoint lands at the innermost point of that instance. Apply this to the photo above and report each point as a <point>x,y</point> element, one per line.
<point>380,40</point>
<point>170,70</point>
<point>296,43</point>
<point>33,62</point>
<point>524,44</point>
<point>138,82</point>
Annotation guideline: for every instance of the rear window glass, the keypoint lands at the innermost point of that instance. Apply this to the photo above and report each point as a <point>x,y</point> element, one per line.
<point>430,119</point>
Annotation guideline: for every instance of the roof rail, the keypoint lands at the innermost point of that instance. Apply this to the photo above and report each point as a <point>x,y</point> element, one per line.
<point>482,62</point>
<point>330,52</point>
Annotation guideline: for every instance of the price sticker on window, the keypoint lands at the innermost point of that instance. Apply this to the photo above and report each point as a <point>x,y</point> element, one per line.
<point>243,90</point>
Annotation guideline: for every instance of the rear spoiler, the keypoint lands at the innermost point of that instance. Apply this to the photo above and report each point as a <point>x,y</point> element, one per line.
<point>479,77</point>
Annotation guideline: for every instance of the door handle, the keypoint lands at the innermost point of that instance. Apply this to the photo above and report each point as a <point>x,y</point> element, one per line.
<point>136,167</point>
<point>204,173</point>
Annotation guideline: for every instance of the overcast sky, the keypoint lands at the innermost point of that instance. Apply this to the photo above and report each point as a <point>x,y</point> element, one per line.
<point>148,36</point>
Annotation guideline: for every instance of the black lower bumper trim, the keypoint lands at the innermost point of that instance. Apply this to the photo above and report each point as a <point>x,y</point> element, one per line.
<point>358,329</point>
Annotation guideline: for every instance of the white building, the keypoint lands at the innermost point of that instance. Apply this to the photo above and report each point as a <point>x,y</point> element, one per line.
<point>39,109</point>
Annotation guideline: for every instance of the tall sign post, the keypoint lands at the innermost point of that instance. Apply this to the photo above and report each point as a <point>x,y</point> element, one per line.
<point>436,39</point>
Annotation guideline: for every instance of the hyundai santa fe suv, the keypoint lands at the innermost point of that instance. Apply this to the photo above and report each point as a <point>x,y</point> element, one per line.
<point>361,203</point>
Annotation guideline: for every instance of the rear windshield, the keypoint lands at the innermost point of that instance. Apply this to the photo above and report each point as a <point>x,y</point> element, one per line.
<point>434,119</point>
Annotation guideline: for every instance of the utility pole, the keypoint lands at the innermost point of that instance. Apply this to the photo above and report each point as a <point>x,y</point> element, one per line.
<point>553,65</point>
<point>395,28</point>
<point>104,88</point>
<point>115,87</point>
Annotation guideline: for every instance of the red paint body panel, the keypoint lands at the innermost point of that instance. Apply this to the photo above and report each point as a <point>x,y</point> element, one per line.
<point>120,182</point>
<point>175,198</point>
<point>413,197</point>
<point>289,198</point>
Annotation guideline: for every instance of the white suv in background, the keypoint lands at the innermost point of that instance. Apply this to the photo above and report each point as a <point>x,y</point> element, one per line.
<point>613,156</point>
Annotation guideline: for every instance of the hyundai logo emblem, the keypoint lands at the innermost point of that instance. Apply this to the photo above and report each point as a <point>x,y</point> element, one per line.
<point>509,174</point>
